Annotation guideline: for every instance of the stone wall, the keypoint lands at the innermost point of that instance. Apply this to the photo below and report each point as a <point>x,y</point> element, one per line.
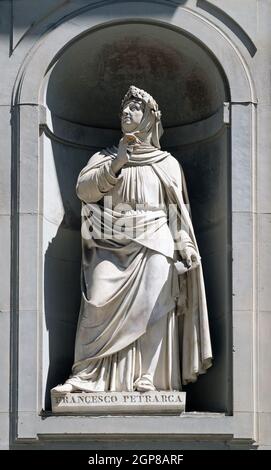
<point>221,135</point>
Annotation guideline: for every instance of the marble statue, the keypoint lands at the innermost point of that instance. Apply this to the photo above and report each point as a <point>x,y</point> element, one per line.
<point>143,322</point>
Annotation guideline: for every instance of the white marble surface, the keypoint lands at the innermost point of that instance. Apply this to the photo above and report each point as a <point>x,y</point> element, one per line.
<point>265,361</point>
<point>264,428</point>
<point>118,402</point>
<point>243,361</point>
<point>5,147</point>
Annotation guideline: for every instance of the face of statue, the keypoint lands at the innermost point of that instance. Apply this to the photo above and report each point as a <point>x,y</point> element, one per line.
<point>132,115</point>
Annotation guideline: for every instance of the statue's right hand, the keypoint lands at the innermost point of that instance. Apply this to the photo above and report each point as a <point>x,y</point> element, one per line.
<point>122,156</point>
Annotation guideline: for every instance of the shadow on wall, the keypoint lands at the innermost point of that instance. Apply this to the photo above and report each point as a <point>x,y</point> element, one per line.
<point>62,302</point>
<point>207,171</point>
<point>62,266</point>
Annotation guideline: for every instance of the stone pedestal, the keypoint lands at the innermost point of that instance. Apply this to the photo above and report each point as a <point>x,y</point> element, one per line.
<point>118,402</point>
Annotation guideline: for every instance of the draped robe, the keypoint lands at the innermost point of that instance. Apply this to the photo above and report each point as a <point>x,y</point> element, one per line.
<point>137,315</point>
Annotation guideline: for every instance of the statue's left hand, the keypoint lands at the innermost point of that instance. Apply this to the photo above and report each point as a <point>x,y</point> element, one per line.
<point>190,257</point>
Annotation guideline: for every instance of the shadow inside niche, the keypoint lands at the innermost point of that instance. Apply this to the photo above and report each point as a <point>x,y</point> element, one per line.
<point>62,265</point>
<point>62,296</point>
<point>206,170</point>
<point>206,166</point>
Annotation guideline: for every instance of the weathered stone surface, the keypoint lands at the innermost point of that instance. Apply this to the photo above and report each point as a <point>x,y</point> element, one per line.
<point>118,402</point>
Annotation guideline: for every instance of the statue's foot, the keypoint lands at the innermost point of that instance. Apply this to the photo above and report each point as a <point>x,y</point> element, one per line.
<point>65,388</point>
<point>145,388</point>
<point>144,384</point>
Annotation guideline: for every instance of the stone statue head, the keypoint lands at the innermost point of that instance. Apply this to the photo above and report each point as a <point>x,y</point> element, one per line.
<point>140,114</point>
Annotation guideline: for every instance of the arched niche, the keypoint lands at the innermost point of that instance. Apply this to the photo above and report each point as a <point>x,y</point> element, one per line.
<point>33,345</point>
<point>82,92</point>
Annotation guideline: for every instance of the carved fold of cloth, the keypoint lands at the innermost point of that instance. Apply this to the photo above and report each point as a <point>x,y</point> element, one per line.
<point>137,315</point>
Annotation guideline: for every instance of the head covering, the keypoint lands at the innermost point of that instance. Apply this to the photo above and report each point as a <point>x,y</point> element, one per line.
<point>151,120</point>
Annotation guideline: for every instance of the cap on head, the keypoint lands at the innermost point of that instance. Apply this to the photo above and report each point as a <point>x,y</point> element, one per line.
<point>141,95</point>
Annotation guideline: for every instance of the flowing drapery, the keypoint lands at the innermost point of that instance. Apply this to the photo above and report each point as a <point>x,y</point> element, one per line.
<point>131,294</point>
